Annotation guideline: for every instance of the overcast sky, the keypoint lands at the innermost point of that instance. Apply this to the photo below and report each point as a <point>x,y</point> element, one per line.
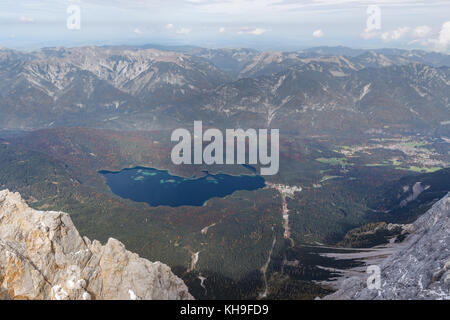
<point>262,24</point>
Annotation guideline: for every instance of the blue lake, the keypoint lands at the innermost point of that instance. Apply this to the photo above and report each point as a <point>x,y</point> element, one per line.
<point>159,187</point>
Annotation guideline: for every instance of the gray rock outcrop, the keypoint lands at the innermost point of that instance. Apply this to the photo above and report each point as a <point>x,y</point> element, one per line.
<point>42,256</point>
<point>419,270</point>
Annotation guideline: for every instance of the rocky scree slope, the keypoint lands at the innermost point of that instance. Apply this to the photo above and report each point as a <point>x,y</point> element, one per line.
<point>419,270</point>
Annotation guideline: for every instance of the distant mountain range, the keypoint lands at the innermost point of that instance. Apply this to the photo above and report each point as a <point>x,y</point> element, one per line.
<point>336,88</point>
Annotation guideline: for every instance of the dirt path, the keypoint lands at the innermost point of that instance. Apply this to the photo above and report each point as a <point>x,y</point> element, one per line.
<point>264,270</point>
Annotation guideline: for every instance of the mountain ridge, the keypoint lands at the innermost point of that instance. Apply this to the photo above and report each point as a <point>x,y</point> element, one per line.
<point>147,89</point>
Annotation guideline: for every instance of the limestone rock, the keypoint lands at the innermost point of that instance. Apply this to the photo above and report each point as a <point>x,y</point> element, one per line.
<point>419,270</point>
<point>42,256</point>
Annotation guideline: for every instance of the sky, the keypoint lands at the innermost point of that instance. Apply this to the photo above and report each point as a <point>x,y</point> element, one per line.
<point>260,24</point>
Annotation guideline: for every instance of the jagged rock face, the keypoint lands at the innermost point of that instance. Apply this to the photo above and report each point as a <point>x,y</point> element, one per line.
<point>420,270</point>
<point>42,256</point>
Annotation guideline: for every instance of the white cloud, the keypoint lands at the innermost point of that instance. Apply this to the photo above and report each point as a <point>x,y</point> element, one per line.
<point>318,33</point>
<point>183,31</point>
<point>396,34</point>
<point>252,31</point>
<point>26,19</point>
<point>415,34</point>
<point>367,35</point>
<point>222,30</point>
<point>421,31</point>
<point>138,31</point>
<point>268,7</point>
<point>422,35</point>
<point>442,42</point>
<point>238,7</point>
<point>444,35</point>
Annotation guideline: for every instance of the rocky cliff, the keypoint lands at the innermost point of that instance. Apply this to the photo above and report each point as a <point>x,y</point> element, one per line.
<point>419,270</point>
<point>42,256</point>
